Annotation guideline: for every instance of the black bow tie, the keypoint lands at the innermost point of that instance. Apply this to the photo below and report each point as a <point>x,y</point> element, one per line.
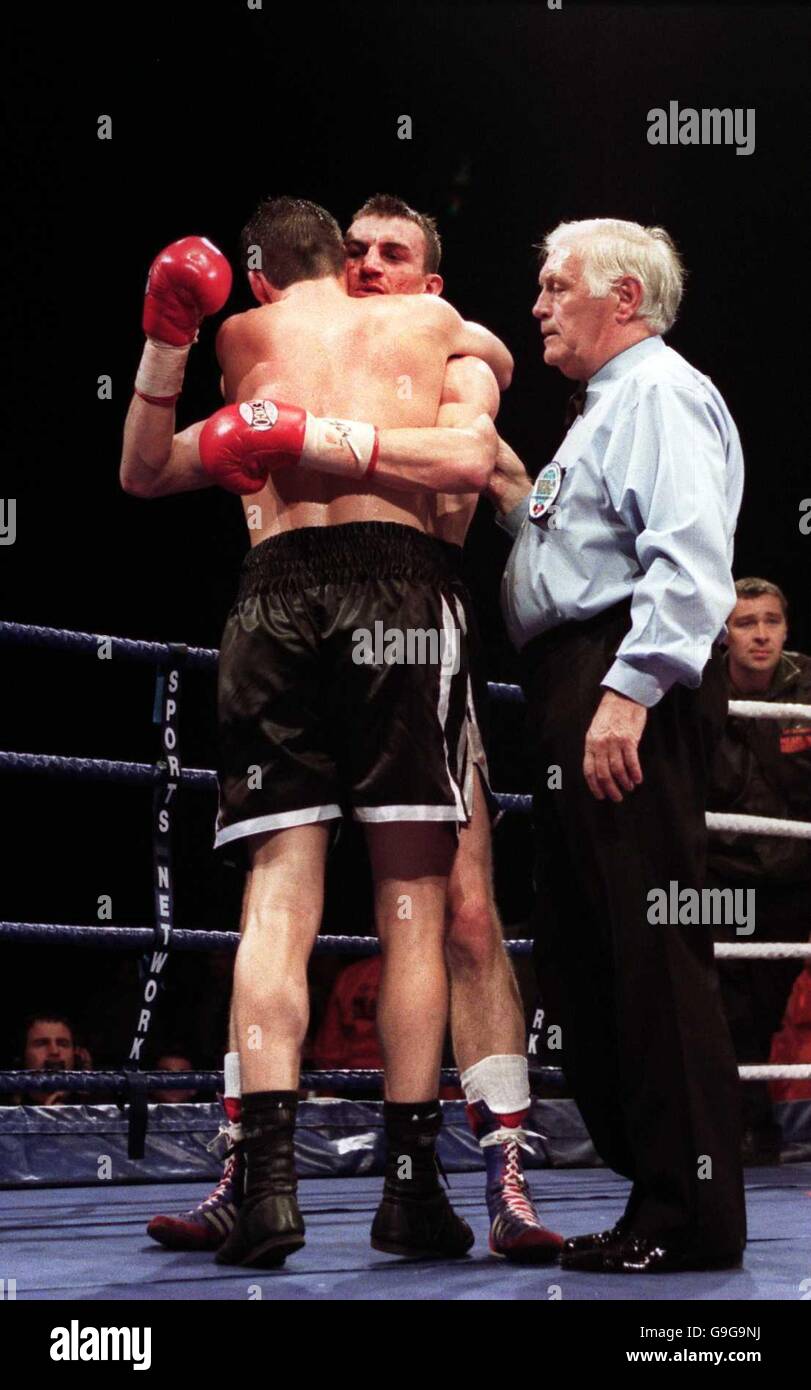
<point>575,404</point>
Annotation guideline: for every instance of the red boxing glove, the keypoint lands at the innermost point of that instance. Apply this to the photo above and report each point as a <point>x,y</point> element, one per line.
<point>187,281</point>
<point>241,445</point>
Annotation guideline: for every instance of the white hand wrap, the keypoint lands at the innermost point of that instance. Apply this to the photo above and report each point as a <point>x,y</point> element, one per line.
<point>161,370</point>
<point>338,442</point>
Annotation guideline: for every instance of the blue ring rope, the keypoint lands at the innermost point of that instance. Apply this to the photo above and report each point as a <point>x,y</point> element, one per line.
<point>127,649</point>
<point>185,939</point>
<point>146,774</point>
<point>87,643</point>
<point>120,1082</point>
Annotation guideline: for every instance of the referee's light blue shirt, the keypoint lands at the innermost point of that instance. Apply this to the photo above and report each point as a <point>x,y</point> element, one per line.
<point>652,484</point>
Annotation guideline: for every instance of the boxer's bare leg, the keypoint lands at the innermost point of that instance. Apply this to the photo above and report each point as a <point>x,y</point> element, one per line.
<point>487,1016</point>
<point>487,1024</point>
<point>233,1043</point>
<point>410,866</point>
<point>282,913</point>
<point>410,863</point>
<point>284,897</point>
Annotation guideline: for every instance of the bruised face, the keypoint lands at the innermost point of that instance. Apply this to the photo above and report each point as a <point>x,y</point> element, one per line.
<point>757,634</point>
<point>386,255</point>
<point>574,325</point>
<point>49,1046</point>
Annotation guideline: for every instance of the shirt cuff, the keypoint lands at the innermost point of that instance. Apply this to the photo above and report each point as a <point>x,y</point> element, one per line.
<point>637,685</point>
<point>512,521</point>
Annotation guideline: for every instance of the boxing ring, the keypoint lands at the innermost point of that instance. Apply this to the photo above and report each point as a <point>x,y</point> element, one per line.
<point>75,1228</point>
<point>87,1244</point>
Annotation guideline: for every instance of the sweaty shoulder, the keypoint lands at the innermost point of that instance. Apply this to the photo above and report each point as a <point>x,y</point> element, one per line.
<point>238,328</point>
<point>419,310</point>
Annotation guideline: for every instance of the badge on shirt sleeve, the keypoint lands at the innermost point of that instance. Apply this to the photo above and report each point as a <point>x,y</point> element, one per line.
<point>546,489</point>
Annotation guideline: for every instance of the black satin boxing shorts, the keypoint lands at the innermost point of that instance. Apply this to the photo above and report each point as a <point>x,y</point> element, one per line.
<point>344,683</point>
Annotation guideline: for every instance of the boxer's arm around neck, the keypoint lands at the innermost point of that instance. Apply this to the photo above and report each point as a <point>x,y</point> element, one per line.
<point>466,339</point>
<point>476,341</point>
<point>457,456</point>
<point>469,382</point>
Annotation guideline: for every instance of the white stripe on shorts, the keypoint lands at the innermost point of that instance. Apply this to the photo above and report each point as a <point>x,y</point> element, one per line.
<point>445,679</point>
<point>260,825</point>
<point>395,813</point>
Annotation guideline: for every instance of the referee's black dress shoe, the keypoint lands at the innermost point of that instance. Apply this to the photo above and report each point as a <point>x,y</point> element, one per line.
<point>596,1242</point>
<point>648,1255</point>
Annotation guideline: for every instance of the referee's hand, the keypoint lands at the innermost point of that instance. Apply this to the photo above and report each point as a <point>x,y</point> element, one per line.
<point>611,765</point>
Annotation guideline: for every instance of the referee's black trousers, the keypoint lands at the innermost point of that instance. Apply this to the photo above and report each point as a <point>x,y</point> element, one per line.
<point>646,1049</point>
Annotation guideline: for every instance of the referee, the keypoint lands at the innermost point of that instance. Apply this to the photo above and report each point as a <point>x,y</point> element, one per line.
<point>616,592</point>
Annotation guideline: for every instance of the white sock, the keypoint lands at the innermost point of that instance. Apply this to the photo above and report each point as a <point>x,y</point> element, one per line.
<point>501,1081</point>
<point>233,1082</point>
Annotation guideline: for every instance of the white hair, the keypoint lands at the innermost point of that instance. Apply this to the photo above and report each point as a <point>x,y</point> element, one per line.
<point>611,248</point>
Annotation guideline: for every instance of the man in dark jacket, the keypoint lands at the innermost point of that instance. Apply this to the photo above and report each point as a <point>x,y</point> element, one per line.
<point>763,768</point>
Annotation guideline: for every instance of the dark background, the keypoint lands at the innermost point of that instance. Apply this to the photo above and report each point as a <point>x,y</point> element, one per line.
<point>521,117</point>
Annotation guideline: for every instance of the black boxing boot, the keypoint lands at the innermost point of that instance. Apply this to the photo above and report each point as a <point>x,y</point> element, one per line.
<point>415,1217</point>
<point>268,1226</point>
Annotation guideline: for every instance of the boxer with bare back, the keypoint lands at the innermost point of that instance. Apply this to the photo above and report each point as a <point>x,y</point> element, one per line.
<point>307,729</point>
<point>315,347</point>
